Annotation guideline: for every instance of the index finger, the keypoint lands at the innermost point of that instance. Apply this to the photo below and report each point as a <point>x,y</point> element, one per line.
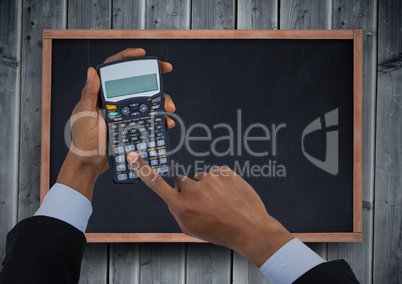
<point>152,179</point>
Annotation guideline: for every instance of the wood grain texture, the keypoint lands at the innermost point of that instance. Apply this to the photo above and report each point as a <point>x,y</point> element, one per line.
<point>167,14</point>
<point>124,266</point>
<point>46,117</point>
<point>305,14</point>
<point>165,263</point>
<point>36,16</point>
<point>211,14</point>
<point>208,263</point>
<point>124,259</point>
<point>198,34</point>
<point>246,272</point>
<point>128,14</point>
<point>88,14</point>
<point>94,265</point>
<point>388,183</point>
<point>351,15</point>
<point>10,62</point>
<point>92,14</point>
<point>162,263</point>
<point>257,14</point>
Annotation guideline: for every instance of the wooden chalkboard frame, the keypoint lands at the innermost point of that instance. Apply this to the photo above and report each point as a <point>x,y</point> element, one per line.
<point>355,35</point>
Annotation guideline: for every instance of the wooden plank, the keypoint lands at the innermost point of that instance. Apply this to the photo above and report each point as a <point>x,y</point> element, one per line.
<point>257,14</point>
<point>167,14</point>
<point>180,237</point>
<point>124,264</point>
<point>94,264</point>
<point>246,272</point>
<point>162,263</point>
<point>89,14</point>
<point>92,14</point>
<point>165,263</point>
<point>10,58</point>
<point>36,16</point>
<point>198,34</point>
<point>351,15</point>
<point>387,266</point>
<point>305,14</point>
<point>124,258</point>
<point>45,124</point>
<point>128,14</point>
<point>208,263</point>
<point>212,14</point>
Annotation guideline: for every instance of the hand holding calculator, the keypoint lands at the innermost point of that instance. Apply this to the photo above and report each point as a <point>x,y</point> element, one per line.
<point>132,95</point>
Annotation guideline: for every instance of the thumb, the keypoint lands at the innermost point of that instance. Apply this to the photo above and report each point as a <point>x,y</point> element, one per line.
<point>153,180</point>
<point>89,95</point>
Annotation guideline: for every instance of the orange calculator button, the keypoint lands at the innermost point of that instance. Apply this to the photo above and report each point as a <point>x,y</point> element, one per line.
<point>111,107</point>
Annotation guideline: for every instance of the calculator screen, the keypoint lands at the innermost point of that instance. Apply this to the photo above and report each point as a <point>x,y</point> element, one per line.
<point>131,85</point>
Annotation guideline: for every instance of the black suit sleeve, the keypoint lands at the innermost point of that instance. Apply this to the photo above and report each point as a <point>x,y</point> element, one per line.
<point>333,272</point>
<point>43,250</point>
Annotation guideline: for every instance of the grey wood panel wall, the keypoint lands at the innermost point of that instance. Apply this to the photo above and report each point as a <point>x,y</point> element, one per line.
<point>351,15</point>
<point>21,24</point>
<point>10,68</point>
<point>388,183</point>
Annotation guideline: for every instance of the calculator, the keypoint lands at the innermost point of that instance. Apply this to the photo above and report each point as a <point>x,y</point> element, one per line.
<point>132,96</point>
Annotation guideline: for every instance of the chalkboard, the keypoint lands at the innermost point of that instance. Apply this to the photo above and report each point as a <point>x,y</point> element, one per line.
<point>283,109</point>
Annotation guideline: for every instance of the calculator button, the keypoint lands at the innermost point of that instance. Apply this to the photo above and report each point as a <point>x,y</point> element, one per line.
<point>130,148</point>
<point>123,125</point>
<point>111,107</point>
<point>113,126</point>
<point>164,169</point>
<point>125,111</point>
<point>141,146</point>
<point>124,132</point>
<point>132,175</point>
<point>120,159</point>
<point>135,113</point>
<point>143,108</point>
<point>157,99</point>
<point>152,153</point>
<point>124,140</point>
<point>118,150</point>
<point>159,134</point>
<point>162,152</point>
<point>159,126</point>
<point>162,161</point>
<point>154,162</point>
<point>120,168</point>
<point>158,119</point>
<point>143,154</point>
<point>160,142</point>
<point>155,106</point>
<point>151,144</point>
<point>115,141</point>
<point>134,105</point>
<point>122,177</point>
<point>134,138</point>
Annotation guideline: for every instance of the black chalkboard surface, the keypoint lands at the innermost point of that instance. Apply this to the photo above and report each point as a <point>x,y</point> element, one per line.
<point>297,94</point>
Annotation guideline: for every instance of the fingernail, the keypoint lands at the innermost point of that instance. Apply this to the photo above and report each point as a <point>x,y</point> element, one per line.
<point>89,73</point>
<point>132,157</point>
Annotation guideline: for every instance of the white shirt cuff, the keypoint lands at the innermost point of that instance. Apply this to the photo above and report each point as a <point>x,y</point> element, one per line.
<point>68,205</point>
<point>290,262</point>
